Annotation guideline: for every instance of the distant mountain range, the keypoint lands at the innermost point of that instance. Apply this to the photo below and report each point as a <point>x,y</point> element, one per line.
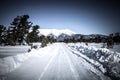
<point>61,35</point>
<point>55,32</point>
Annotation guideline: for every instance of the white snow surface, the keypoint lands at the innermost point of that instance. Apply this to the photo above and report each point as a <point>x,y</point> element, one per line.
<point>55,32</point>
<point>13,50</point>
<point>57,61</point>
<point>104,59</point>
<point>10,63</point>
<point>116,48</point>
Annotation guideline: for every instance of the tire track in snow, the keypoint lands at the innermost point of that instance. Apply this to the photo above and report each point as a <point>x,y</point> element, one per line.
<point>97,74</point>
<point>85,58</point>
<point>72,68</point>
<point>48,64</point>
<point>58,72</point>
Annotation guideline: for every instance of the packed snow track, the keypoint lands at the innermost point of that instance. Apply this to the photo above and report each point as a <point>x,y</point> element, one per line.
<point>55,62</point>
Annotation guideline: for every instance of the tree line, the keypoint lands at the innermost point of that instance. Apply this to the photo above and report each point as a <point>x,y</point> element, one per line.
<point>109,40</point>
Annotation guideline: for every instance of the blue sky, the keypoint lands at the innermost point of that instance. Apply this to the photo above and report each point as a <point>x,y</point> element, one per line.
<point>84,17</point>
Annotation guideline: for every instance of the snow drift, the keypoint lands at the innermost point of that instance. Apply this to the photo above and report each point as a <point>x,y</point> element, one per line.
<point>13,50</point>
<point>105,60</point>
<point>10,63</point>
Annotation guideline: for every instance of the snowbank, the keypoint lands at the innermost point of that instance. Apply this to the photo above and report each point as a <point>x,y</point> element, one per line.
<point>116,48</point>
<point>13,50</point>
<point>10,63</point>
<point>104,59</point>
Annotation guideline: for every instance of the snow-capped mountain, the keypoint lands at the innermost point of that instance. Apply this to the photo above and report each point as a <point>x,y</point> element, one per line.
<point>61,35</point>
<point>55,32</point>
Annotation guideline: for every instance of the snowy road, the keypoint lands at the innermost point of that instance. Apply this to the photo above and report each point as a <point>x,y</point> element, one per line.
<point>55,62</point>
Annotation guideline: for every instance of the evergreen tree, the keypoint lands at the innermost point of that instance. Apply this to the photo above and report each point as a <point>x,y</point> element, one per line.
<point>51,38</point>
<point>116,38</point>
<point>81,38</point>
<point>97,39</point>
<point>33,35</point>
<point>44,42</point>
<point>110,42</point>
<point>11,36</point>
<point>19,29</point>
<point>2,34</point>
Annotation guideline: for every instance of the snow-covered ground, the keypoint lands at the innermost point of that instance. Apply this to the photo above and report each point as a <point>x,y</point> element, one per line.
<point>106,60</point>
<point>54,62</point>
<point>116,47</point>
<point>60,61</point>
<point>13,50</point>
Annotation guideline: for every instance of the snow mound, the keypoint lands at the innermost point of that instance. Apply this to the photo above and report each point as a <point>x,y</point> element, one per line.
<point>10,63</point>
<point>55,32</point>
<point>104,59</point>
